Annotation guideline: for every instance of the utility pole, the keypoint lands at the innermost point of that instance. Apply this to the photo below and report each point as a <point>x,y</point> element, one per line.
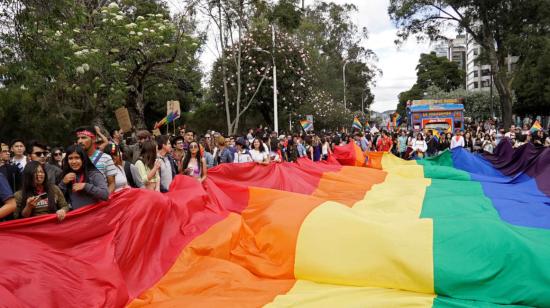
<point>344,78</point>
<point>275,114</point>
<point>491,93</point>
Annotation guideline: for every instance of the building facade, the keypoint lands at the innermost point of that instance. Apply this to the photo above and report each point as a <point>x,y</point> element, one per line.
<point>457,51</point>
<point>441,49</point>
<point>478,76</point>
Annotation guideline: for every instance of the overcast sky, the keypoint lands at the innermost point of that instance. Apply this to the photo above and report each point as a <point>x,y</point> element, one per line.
<point>398,65</point>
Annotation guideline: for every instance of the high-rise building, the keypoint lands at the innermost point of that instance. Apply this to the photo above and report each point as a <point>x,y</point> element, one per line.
<point>441,49</point>
<point>478,76</point>
<point>457,51</point>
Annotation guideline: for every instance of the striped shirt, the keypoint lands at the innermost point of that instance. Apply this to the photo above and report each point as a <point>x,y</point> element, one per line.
<point>104,164</point>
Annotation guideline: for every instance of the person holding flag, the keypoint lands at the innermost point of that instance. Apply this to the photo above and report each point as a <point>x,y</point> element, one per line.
<point>171,117</point>
<point>535,128</point>
<point>306,125</point>
<point>396,120</point>
<point>357,124</point>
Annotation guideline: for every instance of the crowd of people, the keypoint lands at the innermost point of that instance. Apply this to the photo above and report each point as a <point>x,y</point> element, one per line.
<point>36,179</point>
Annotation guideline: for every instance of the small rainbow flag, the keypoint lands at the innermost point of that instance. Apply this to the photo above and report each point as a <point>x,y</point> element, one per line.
<point>167,119</point>
<point>306,125</point>
<point>357,124</point>
<point>436,134</point>
<point>397,120</point>
<point>367,126</point>
<point>536,127</point>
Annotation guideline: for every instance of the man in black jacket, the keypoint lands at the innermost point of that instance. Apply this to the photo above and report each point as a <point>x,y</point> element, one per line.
<point>39,153</point>
<point>432,143</point>
<point>8,169</point>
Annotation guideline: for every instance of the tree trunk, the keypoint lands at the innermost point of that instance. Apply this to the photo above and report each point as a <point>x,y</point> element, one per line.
<point>224,72</point>
<point>505,93</point>
<point>499,70</point>
<point>136,107</point>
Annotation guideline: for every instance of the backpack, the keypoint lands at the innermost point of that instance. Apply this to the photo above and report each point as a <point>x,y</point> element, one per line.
<point>128,172</point>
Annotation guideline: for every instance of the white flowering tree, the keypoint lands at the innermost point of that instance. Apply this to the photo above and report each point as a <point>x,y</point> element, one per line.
<point>257,75</point>
<point>63,64</point>
<point>327,112</point>
<point>123,55</point>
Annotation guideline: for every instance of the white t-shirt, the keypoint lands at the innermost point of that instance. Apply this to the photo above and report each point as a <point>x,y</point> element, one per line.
<point>420,145</point>
<point>120,179</point>
<point>242,157</point>
<point>258,156</point>
<point>457,143</point>
<point>20,163</point>
<point>324,149</point>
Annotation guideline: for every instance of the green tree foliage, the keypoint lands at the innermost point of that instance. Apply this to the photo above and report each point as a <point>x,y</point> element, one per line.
<point>431,71</point>
<point>477,104</point>
<point>310,56</point>
<point>332,39</point>
<point>532,84</point>
<point>66,63</point>
<point>438,71</point>
<point>502,28</point>
<point>257,74</point>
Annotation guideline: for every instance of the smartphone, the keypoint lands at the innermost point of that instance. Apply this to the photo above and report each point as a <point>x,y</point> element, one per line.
<point>42,196</point>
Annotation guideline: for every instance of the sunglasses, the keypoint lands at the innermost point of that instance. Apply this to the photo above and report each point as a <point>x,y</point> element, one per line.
<point>194,146</point>
<point>57,154</point>
<point>41,154</point>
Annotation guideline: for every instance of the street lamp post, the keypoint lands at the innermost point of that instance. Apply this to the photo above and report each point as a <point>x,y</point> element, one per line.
<point>272,53</point>
<point>344,78</point>
<point>275,113</point>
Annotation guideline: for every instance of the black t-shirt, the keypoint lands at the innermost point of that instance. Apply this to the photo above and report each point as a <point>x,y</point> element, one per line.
<point>13,176</point>
<point>5,194</point>
<point>5,190</point>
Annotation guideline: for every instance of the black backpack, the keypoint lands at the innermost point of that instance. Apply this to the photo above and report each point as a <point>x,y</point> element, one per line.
<point>128,172</point>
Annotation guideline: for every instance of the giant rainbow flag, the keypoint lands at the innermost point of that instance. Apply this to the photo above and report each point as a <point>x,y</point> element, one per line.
<point>458,230</point>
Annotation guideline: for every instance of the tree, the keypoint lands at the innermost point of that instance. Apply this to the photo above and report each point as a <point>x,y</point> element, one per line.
<point>532,84</point>
<point>502,28</point>
<point>438,71</point>
<point>66,63</point>
<point>257,71</point>
<point>332,38</point>
<point>415,92</point>
<point>310,49</point>
<point>477,104</point>
<point>431,71</point>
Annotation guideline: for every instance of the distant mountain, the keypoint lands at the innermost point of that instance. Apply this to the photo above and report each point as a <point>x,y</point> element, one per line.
<point>381,115</point>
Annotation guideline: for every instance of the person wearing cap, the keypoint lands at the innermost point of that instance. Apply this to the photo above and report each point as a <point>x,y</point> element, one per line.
<point>86,138</point>
<point>241,155</point>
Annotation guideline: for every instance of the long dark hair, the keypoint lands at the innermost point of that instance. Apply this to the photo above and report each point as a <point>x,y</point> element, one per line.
<point>262,149</point>
<point>87,165</point>
<point>28,188</point>
<point>187,158</point>
<point>52,158</point>
<point>114,150</point>
<point>149,153</point>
